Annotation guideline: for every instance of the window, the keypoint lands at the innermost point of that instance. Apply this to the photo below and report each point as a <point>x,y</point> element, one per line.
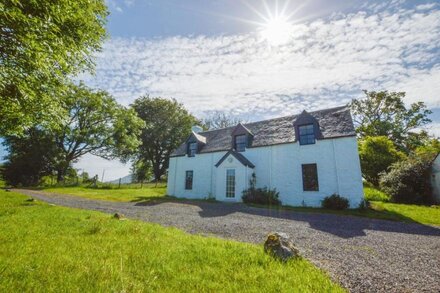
<point>189,180</point>
<point>192,149</point>
<point>310,177</point>
<point>306,134</point>
<point>240,143</point>
<point>230,183</point>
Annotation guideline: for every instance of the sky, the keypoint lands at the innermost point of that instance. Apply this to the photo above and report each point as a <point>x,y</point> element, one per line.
<point>264,59</point>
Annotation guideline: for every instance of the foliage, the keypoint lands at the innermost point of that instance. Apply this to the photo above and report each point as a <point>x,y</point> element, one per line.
<point>167,125</point>
<point>376,155</point>
<point>29,158</point>
<point>335,202</point>
<point>384,114</point>
<point>264,196</point>
<point>42,45</point>
<point>95,124</point>
<point>408,181</point>
<point>52,248</point>
<point>373,194</point>
<point>141,171</point>
<point>218,119</point>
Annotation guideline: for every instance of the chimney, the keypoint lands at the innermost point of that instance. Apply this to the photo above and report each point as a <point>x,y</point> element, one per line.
<point>197,129</point>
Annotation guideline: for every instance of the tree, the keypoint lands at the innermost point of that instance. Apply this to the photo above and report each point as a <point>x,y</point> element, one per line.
<point>30,157</point>
<point>95,123</point>
<point>141,171</point>
<point>167,124</point>
<point>42,45</point>
<point>217,120</point>
<point>384,114</point>
<point>408,181</point>
<point>376,155</point>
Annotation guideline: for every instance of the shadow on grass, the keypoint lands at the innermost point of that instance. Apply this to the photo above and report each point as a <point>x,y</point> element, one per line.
<point>344,224</point>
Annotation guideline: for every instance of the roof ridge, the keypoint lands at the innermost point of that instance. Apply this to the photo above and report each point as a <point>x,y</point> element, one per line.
<point>282,117</point>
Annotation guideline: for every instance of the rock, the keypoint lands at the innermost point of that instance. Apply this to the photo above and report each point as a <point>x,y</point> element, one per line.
<point>30,199</point>
<point>118,216</point>
<point>279,246</point>
<point>7,190</point>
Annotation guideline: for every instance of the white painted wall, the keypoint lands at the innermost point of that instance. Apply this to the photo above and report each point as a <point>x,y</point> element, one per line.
<point>435,179</point>
<point>279,167</point>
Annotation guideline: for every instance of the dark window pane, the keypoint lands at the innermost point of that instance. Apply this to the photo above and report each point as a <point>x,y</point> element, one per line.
<point>240,143</point>
<point>310,177</point>
<point>189,180</point>
<point>306,134</point>
<point>192,149</point>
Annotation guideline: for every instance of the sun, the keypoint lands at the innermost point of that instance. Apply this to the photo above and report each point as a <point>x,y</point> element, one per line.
<point>277,30</point>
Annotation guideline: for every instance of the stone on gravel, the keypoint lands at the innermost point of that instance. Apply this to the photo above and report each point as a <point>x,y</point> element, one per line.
<point>118,216</point>
<point>280,246</point>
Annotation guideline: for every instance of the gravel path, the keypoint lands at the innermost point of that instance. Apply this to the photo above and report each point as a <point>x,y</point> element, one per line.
<point>364,255</point>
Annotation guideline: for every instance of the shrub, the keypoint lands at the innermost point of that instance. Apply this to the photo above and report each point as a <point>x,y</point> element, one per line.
<point>377,154</point>
<point>263,195</point>
<point>408,181</point>
<point>373,194</point>
<point>335,202</point>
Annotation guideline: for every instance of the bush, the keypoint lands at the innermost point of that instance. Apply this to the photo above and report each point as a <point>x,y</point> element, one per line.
<point>335,202</point>
<point>264,196</point>
<point>373,194</point>
<point>408,181</point>
<point>377,153</point>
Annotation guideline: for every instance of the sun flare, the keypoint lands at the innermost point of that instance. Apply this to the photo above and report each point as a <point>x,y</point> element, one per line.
<point>276,31</point>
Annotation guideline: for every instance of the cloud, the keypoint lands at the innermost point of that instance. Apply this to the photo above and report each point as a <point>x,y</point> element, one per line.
<point>326,63</point>
<point>112,169</point>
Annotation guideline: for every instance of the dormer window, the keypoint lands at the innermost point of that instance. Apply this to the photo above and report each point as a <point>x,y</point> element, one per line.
<point>192,149</point>
<point>240,143</point>
<point>306,134</point>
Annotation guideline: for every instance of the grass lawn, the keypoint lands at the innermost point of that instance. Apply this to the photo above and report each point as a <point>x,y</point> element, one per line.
<point>125,193</point>
<point>51,248</point>
<point>410,213</point>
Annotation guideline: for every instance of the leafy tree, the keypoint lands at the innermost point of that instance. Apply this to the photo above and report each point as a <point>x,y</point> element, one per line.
<point>384,114</point>
<point>95,123</point>
<point>218,119</point>
<point>141,171</point>
<point>408,181</point>
<point>167,124</point>
<point>42,44</point>
<point>377,153</point>
<point>30,157</point>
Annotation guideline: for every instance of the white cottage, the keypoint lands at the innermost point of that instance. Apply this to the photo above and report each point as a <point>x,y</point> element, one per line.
<point>306,157</point>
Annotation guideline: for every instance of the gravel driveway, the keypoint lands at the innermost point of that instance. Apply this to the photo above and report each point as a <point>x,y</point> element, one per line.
<point>363,255</point>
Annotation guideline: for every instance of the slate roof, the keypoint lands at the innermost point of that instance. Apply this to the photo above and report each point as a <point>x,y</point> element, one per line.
<point>242,159</point>
<point>334,122</point>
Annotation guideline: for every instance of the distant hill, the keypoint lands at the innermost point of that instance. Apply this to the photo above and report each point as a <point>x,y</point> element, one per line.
<point>124,180</point>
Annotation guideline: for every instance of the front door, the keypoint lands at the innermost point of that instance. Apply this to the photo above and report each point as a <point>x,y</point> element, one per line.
<point>230,183</point>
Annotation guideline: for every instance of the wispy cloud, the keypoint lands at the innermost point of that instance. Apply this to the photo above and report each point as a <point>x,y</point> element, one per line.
<point>326,63</point>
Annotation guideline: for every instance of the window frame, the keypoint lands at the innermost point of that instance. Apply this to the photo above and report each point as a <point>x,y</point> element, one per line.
<point>230,189</point>
<point>189,183</point>
<point>190,150</point>
<point>244,143</point>
<point>309,137</point>
<point>310,174</point>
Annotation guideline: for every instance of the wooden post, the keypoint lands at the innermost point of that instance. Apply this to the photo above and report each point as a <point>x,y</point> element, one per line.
<point>119,183</point>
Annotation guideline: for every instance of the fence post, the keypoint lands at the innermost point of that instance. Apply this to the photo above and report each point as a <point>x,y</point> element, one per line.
<point>119,183</point>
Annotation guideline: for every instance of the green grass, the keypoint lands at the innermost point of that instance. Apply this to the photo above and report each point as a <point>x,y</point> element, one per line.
<point>111,193</point>
<point>372,194</point>
<point>46,248</point>
<point>410,213</point>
